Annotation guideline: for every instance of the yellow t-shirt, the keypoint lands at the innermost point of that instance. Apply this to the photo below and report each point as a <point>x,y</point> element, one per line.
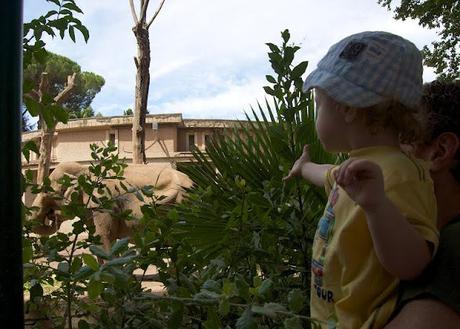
<point>350,288</point>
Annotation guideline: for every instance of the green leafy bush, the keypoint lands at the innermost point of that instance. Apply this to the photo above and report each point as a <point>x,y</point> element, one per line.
<point>244,220</point>
<point>234,254</point>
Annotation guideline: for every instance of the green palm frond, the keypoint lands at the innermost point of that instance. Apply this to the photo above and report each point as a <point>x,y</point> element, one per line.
<point>239,208</point>
<point>260,152</point>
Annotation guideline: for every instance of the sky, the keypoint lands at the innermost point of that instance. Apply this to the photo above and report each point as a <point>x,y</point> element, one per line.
<point>208,57</point>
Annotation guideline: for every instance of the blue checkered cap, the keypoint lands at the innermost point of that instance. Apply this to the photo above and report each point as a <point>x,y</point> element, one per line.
<point>369,68</point>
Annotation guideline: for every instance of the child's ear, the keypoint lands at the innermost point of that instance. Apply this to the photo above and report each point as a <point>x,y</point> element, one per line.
<point>349,114</point>
<point>447,145</point>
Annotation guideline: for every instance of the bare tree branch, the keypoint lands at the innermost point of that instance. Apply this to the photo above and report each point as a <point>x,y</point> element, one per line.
<point>133,12</point>
<point>144,7</point>
<point>33,94</point>
<point>65,93</point>
<point>156,13</point>
<point>43,85</point>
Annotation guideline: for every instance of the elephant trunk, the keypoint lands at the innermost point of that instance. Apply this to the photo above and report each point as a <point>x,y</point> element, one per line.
<point>43,218</point>
<point>44,229</point>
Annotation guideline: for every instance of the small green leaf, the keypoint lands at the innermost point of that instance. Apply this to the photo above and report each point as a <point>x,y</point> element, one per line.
<point>269,91</point>
<point>56,2</point>
<point>270,79</point>
<point>84,31</point>
<point>228,288</point>
<point>48,117</point>
<point>36,291</point>
<point>107,277</point>
<point>224,306</point>
<point>269,309</point>
<point>118,246</point>
<point>66,12</point>
<point>212,285</point>
<point>246,320</point>
<point>95,288</point>
<point>27,86</point>
<point>274,48</point>
<point>82,324</point>
<point>27,251</point>
<point>120,261</point>
<point>63,267</point>
<point>296,300</point>
<point>99,252</point>
<point>299,70</point>
<point>50,13</point>
<point>72,7</point>
<point>123,186</point>
<point>76,264</point>
<point>286,35</point>
<point>59,113</point>
<point>206,294</point>
<point>292,323</point>
<point>173,215</point>
<point>62,33</point>
<point>213,321</point>
<point>288,55</point>
<point>175,320</point>
<point>139,196</point>
<point>265,289</point>
<point>29,146</point>
<point>242,287</point>
<point>91,261</point>
<point>34,107</point>
<point>72,33</point>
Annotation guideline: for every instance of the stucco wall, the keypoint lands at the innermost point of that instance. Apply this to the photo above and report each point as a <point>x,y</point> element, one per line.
<point>158,142</point>
<point>166,137</point>
<point>161,142</point>
<point>74,145</point>
<point>199,137</point>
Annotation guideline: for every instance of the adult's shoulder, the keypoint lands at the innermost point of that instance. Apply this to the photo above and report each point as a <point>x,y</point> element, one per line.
<point>452,226</point>
<point>450,236</point>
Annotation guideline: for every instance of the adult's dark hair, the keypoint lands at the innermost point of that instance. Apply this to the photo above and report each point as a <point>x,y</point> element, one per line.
<point>442,101</point>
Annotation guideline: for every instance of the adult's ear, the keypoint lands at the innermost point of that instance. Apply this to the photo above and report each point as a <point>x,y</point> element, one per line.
<point>445,148</point>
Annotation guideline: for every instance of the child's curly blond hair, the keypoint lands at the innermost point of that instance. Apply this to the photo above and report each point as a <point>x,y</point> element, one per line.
<point>407,122</point>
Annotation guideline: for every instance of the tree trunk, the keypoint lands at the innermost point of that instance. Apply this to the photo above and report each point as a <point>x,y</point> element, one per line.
<point>44,158</point>
<point>46,143</point>
<point>142,62</point>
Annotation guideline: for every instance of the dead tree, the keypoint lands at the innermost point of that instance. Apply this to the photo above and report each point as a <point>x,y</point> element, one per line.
<point>142,61</point>
<point>47,131</point>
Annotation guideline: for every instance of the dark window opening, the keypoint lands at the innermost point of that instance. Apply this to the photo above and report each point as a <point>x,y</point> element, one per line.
<point>191,142</point>
<point>112,139</point>
<point>207,140</point>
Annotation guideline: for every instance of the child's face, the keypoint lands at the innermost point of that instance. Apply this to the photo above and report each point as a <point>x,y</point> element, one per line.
<point>330,123</point>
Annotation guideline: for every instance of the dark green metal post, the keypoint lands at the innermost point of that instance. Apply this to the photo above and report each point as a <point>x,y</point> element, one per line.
<point>11,294</point>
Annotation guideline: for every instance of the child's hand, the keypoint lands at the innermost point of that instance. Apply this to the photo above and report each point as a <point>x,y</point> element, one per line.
<point>296,169</point>
<point>363,181</point>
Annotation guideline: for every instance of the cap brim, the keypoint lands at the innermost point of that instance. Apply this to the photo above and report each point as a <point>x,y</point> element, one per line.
<point>341,90</point>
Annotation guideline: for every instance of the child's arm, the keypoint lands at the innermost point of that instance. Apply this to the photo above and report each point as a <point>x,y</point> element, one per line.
<point>313,172</point>
<point>399,247</point>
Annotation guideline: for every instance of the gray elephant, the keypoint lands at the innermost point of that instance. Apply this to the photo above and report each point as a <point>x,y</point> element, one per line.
<point>169,185</point>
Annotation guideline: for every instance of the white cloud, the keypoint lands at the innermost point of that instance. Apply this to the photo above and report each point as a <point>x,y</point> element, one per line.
<point>208,55</point>
<point>232,103</point>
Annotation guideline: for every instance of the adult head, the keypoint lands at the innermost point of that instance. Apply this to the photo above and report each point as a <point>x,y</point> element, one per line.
<point>441,145</point>
<point>436,303</point>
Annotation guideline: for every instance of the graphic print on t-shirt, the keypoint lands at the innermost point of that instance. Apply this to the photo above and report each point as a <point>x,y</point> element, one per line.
<point>324,232</point>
